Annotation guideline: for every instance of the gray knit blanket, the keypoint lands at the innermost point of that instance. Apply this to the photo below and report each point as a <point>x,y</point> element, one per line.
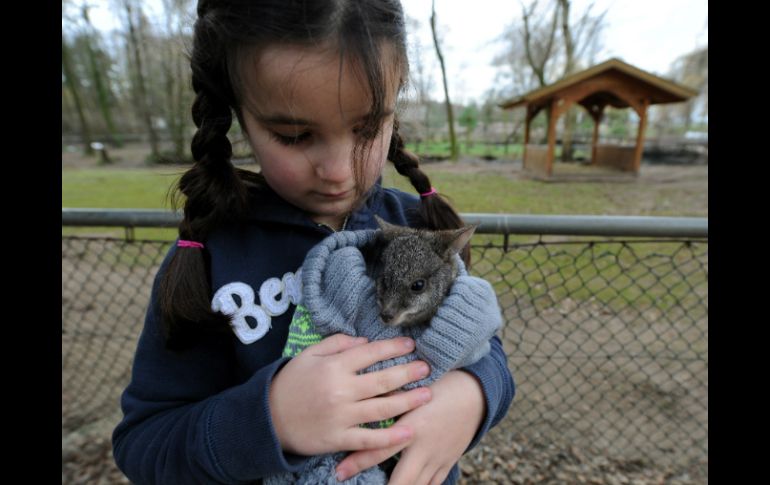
<point>341,298</point>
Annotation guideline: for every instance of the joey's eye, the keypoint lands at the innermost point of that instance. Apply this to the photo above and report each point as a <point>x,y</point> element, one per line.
<point>418,286</point>
<point>290,140</point>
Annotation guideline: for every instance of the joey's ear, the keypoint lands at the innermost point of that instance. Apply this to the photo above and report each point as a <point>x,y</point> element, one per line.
<point>455,240</point>
<point>388,228</point>
<point>374,248</point>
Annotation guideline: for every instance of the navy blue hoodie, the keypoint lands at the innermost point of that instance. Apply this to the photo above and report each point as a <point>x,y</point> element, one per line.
<point>202,415</point>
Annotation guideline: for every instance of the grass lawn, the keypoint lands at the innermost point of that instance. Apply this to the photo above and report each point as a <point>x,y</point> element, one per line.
<point>470,190</point>
<point>118,189</point>
<point>496,193</point>
<point>512,151</point>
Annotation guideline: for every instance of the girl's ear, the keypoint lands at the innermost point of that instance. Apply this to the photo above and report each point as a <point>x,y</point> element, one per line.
<point>455,240</point>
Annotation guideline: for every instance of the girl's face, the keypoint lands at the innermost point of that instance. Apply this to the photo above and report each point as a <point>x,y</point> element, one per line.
<point>303,113</point>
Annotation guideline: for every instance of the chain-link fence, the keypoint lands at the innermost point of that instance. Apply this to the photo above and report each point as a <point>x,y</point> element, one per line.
<point>607,341</point>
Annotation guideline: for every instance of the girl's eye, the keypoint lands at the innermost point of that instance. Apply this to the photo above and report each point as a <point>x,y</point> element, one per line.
<point>370,134</point>
<point>290,139</point>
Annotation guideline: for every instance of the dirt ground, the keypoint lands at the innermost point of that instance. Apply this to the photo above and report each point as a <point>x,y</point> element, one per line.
<point>631,419</point>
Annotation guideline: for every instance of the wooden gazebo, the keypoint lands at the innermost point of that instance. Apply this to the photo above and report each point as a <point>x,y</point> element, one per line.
<point>611,83</point>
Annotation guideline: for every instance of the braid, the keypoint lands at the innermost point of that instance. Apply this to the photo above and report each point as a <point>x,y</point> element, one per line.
<point>213,188</point>
<point>406,162</point>
<point>435,211</point>
<point>214,193</point>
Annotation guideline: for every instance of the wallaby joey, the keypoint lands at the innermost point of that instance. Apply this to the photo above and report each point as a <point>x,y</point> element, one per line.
<point>413,270</point>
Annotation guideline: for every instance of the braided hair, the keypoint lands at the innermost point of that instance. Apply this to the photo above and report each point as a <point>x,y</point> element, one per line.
<point>435,211</point>
<point>213,192</point>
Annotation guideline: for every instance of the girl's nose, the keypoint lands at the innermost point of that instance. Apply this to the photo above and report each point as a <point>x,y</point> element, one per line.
<point>334,165</point>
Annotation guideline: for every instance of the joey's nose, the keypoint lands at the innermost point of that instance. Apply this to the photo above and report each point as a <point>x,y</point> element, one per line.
<point>387,316</point>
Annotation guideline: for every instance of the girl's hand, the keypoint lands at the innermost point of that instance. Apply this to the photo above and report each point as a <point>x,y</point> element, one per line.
<point>443,429</point>
<point>317,400</point>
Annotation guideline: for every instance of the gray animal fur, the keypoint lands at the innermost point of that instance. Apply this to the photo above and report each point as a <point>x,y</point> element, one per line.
<point>413,270</point>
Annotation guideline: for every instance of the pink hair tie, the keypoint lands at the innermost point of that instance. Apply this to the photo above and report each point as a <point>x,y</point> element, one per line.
<point>431,192</point>
<point>188,244</point>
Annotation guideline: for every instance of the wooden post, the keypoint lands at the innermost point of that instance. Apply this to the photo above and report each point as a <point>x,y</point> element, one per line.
<point>640,134</point>
<point>597,117</point>
<point>551,137</point>
<point>526,135</point>
<point>101,150</point>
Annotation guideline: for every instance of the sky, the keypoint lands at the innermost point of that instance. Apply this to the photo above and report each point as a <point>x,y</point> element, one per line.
<point>648,34</point>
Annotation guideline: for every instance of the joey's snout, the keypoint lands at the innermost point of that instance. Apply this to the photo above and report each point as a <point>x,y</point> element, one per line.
<point>390,313</point>
<point>387,316</point>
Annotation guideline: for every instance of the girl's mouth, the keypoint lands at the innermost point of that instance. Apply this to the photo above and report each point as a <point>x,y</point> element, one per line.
<point>334,195</point>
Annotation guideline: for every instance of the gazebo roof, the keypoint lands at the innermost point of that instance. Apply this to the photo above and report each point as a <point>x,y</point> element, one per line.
<point>658,90</point>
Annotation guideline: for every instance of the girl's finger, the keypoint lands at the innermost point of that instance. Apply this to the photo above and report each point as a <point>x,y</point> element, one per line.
<point>410,470</point>
<point>335,344</point>
<point>390,379</point>
<point>381,408</point>
<point>359,461</point>
<point>368,439</point>
<point>362,356</point>
<point>440,475</point>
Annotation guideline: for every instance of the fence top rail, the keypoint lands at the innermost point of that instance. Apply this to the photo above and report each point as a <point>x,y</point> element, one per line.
<point>576,225</point>
<point>589,225</point>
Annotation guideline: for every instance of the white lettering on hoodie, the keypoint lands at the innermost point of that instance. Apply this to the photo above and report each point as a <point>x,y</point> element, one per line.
<point>275,295</point>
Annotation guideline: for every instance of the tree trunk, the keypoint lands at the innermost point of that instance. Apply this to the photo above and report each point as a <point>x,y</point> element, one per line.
<point>141,91</point>
<point>168,81</point>
<point>569,51</point>
<point>538,65</point>
<point>69,77</point>
<point>102,91</point>
<point>427,123</point>
<point>181,111</point>
<point>174,79</point>
<point>450,114</point>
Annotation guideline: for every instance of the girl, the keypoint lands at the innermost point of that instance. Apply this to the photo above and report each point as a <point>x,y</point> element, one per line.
<point>313,84</point>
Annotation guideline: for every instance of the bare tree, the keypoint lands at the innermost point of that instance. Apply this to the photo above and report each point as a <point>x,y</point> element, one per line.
<point>454,152</point>
<point>539,41</point>
<point>137,69</point>
<point>72,85</point>
<point>132,14</point>
<point>421,78</point>
<point>539,44</point>
<point>176,83</point>
<point>576,40</point>
<point>692,70</point>
<point>549,46</point>
<point>103,95</point>
<point>515,78</point>
<point>569,68</point>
